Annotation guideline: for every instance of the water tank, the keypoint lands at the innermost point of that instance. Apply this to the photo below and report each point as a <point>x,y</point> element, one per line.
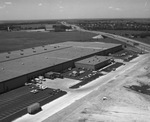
<point>34,108</point>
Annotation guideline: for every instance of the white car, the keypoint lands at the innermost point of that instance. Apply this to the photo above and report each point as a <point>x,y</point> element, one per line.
<point>44,87</point>
<point>34,91</point>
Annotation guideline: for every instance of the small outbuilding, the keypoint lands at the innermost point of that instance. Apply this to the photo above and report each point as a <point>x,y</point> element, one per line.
<point>49,27</point>
<point>98,37</point>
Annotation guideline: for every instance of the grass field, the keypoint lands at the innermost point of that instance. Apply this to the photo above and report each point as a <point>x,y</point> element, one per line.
<point>10,41</point>
<point>145,40</point>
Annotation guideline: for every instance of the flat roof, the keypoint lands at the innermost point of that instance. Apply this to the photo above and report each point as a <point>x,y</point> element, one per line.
<point>93,60</point>
<point>18,67</point>
<point>73,53</point>
<point>7,56</point>
<point>16,64</point>
<point>93,45</point>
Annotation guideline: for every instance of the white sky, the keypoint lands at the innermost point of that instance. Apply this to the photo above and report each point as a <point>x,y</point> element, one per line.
<point>63,9</point>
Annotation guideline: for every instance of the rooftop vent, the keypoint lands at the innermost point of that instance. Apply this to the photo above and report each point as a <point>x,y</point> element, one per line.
<point>2,68</point>
<point>7,56</point>
<point>34,51</point>
<point>21,50</point>
<point>21,53</point>
<point>9,52</point>
<point>45,49</point>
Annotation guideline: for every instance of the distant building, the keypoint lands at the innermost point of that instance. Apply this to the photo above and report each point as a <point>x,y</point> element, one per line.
<point>55,27</point>
<point>98,37</point>
<point>69,30</point>
<point>31,26</point>
<point>59,28</point>
<point>49,27</point>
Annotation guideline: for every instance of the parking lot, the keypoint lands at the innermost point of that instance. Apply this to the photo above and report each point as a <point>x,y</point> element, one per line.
<point>14,103</point>
<point>112,67</point>
<point>126,55</point>
<point>81,73</point>
<point>86,75</point>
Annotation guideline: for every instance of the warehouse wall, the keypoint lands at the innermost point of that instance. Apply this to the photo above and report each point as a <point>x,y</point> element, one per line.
<point>102,64</point>
<point>39,72</point>
<point>58,68</point>
<point>14,83</point>
<point>55,68</point>
<point>110,50</point>
<point>2,87</point>
<point>87,66</point>
<point>115,49</point>
<point>68,64</point>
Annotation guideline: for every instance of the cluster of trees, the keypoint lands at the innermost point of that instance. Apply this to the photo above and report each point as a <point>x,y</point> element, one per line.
<point>3,27</point>
<point>17,27</point>
<point>61,27</point>
<point>115,26</point>
<point>25,25</point>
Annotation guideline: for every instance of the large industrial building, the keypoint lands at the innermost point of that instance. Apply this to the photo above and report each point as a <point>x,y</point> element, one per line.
<point>17,67</point>
<point>93,63</point>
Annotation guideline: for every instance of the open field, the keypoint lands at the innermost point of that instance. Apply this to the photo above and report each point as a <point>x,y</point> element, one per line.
<point>10,41</point>
<point>145,40</point>
<point>20,40</point>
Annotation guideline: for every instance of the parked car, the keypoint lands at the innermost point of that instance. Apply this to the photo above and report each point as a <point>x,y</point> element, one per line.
<point>34,91</point>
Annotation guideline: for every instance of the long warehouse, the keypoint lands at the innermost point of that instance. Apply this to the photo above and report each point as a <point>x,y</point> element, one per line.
<point>17,67</point>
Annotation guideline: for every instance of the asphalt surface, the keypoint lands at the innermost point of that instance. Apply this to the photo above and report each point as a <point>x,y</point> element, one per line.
<point>16,101</point>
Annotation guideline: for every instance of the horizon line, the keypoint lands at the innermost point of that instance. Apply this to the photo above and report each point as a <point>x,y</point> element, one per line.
<point>69,19</point>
